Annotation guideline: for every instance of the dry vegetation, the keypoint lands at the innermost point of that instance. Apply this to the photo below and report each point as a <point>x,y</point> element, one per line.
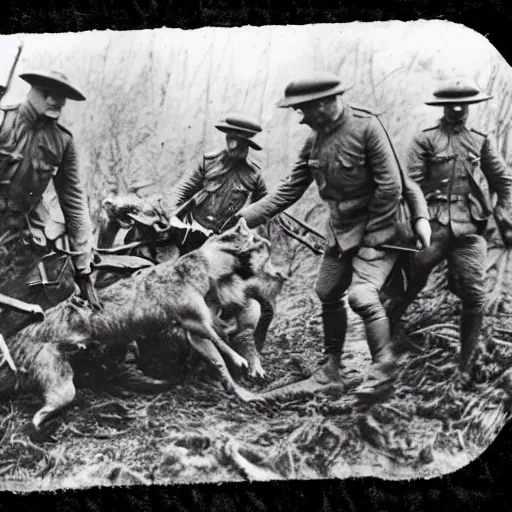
<point>152,100</point>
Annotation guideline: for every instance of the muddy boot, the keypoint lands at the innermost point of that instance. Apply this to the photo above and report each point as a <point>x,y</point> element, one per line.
<point>130,377</point>
<point>334,319</point>
<point>470,327</point>
<point>380,373</point>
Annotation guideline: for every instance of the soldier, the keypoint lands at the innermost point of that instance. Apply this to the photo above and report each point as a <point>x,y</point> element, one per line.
<point>34,150</point>
<point>358,176</point>
<point>455,166</point>
<point>224,180</point>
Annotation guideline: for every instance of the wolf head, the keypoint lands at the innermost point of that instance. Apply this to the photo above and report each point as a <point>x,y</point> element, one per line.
<point>251,250</point>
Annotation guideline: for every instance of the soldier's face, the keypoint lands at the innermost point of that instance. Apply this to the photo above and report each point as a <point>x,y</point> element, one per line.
<point>47,102</point>
<point>317,113</point>
<point>236,148</point>
<point>456,112</point>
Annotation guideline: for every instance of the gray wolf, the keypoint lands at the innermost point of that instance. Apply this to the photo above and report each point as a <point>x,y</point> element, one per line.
<point>148,301</point>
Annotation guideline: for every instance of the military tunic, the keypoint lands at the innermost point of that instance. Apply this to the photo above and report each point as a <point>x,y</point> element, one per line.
<point>458,168</point>
<point>223,187</point>
<point>357,175</point>
<point>33,151</point>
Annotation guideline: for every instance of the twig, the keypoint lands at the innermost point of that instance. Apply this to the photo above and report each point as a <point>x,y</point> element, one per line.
<point>502,342</point>
<point>445,337</point>
<point>7,468</point>
<point>95,435</point>
<point>396,411</point>
<point>461,441</point>
<point>117,467</point>
<point>434,326</point>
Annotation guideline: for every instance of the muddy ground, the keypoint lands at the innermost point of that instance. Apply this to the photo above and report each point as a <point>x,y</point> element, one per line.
<point>430,424</point>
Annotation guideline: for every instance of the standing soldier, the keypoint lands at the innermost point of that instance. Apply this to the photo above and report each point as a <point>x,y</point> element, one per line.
<point>224,180</point>
<point>457,166</point>
<point>357,173</point>
<point>34,150</point>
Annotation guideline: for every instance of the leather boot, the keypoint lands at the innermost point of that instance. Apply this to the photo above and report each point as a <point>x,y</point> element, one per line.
<point>334,320</point>
<point>470,327</point>
<point>130,377</point>
<point>378,336</point>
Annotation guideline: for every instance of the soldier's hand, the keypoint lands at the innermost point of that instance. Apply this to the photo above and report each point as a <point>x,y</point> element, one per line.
<point>87,290</point>
<point>423,232</point>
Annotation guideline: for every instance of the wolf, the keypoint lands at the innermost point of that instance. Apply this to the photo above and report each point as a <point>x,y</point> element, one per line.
<point>151,300</point>
<point>142,219</point>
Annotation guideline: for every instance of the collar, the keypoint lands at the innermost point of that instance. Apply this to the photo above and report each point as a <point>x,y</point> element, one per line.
<point>336,123</point>
<point>32,118</point>
<point>452,126</point>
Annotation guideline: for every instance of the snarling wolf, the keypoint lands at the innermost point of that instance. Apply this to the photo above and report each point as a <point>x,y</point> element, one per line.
<point>149,301</point>
<point>145,219</point>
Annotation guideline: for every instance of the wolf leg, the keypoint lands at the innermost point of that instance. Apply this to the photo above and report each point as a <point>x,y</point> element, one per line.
<point>55,376</point>
<point>200,323</point>
<point>207,349</point>
<point>243,340</point>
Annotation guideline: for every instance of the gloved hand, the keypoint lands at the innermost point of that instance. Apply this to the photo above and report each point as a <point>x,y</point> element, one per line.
<point>87,290</point>
<point>504,222</point>
<point>423,232</point>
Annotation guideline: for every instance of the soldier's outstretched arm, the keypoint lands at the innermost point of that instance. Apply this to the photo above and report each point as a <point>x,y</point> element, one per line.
<point>189,185</point>
<point>73,202</point>
<point>287,193</point>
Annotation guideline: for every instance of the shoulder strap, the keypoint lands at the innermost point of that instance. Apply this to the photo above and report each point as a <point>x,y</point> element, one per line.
<point>478,132</point>
<point>64,129</point>
<point>402,176</point>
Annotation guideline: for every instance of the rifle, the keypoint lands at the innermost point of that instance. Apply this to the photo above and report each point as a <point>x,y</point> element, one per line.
<point>305,227</point>
<point>24,307</point>
<point>4,89</point>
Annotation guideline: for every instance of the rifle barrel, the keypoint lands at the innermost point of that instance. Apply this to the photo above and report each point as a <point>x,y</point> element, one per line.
<point>24,307</point>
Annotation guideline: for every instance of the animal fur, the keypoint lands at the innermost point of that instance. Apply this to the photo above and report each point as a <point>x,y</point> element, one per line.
<point>148,301</point>
<point>249,326</point>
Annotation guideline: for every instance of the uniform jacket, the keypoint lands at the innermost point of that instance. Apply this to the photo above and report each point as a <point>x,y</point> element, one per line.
<point>358,177</point>
<point>458,168</point>
<point>33,151</point>
<point>223,189</point>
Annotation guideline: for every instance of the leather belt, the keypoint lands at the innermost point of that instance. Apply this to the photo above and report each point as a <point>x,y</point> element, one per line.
<point>453,198</point>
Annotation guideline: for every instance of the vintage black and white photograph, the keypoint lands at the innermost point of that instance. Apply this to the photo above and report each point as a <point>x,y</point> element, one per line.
<point>253,253</point>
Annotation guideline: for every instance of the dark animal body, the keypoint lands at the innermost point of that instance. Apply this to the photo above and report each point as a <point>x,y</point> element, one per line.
<point>149,301</point>
<point>146,221</point>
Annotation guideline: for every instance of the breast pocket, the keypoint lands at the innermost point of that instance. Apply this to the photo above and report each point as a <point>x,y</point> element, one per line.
<point>350,172</point>
<point>237,198</point>
<point>441,166</point>
<point>318,172</point>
